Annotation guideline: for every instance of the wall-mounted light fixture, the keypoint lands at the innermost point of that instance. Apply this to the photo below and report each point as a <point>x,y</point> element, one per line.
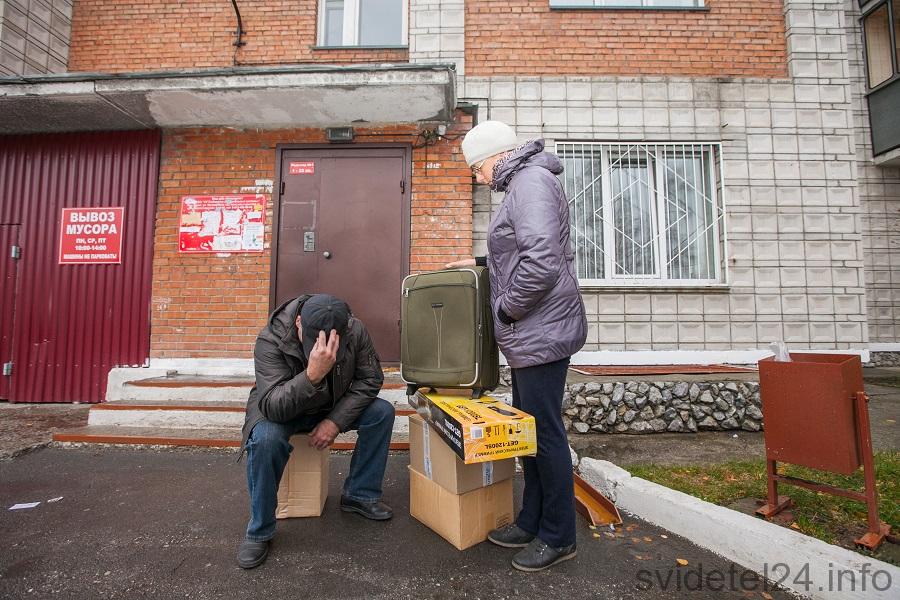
<point>339,135</point>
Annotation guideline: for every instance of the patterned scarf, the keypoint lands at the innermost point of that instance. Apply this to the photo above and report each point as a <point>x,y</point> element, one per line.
<point>495,179</point>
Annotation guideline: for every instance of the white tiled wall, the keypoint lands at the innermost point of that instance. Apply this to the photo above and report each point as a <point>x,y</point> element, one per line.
<point>34,36</point>
<point>809,218</point>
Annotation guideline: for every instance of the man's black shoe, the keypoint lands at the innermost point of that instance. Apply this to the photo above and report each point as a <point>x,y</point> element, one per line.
<point>510,536</point>
<point>252,554</point>
<point>375,510</point>
<point>537,556</point>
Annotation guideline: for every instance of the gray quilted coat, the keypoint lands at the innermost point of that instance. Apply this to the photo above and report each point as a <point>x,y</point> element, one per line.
<point>531,262</point>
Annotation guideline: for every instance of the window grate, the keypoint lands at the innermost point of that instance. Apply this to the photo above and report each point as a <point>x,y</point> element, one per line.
<point>645,213</point>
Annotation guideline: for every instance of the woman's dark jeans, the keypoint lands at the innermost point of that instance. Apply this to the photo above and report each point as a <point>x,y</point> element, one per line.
<point>548,503</point>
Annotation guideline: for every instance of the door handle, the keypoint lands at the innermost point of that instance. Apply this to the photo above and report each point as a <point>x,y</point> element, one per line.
<point>326,254</point>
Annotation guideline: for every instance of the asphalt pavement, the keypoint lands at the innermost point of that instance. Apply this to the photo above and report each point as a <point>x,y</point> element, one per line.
<point>141,523</point>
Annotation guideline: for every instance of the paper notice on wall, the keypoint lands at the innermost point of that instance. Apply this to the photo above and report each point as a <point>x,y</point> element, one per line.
<point>225,224</point>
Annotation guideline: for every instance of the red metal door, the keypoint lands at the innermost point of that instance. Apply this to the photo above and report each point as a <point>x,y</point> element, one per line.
<point>9,236</point>
<point>343,229</point>
<point>74,322</point>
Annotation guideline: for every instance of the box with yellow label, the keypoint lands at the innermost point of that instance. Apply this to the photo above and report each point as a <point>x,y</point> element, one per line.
<point>479,430</point>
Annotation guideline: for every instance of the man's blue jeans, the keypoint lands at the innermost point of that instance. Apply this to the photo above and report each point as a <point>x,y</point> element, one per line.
<point>268,451</point>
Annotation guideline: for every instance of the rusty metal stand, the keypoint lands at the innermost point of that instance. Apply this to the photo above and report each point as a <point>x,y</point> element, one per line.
<point>776,503</point>
<point>878,530</point>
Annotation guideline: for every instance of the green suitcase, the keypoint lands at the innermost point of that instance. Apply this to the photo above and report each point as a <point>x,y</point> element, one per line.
<point>447,332</point>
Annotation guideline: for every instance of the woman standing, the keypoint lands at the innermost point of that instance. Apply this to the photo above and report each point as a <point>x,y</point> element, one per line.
<point>539,324</point>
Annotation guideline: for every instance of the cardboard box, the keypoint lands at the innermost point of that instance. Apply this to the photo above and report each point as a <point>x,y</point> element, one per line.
<point>304,485</point>
<point>479,430</point>
<point>462,519</point>
<point>430,456</point>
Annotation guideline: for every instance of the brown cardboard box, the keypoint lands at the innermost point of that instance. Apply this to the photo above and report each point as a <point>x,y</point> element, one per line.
<point>465,519</point>
<point>432,457</point>
<point>304,485</point>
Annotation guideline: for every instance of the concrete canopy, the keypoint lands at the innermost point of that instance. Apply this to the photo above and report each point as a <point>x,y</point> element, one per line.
<point>243,97</point>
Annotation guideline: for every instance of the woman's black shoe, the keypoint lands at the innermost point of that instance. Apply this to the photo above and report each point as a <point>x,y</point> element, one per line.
<point>510,536</point>
<point>537,556</point>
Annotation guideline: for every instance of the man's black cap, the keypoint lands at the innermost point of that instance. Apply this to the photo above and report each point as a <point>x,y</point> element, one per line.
<point>322,312</point>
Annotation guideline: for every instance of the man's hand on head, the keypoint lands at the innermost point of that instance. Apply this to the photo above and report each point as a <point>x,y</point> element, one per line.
<point>323,435</point>
<point>322,357</point>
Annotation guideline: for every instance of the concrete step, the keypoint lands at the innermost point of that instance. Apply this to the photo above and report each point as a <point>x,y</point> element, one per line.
<point>199,388</point>
<point>198,414</point>
<point>182,436</point>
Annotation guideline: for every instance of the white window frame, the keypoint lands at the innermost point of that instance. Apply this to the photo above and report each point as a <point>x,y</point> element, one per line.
<point>350,33</point>
<point>714,168</point>
<point>601,4</point>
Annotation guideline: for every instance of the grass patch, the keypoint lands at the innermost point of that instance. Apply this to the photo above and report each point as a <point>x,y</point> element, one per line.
<point>829,518</point>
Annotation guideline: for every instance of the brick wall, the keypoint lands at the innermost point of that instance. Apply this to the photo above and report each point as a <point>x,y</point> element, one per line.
<point>212,306</point>
<point>735,38</point>
<point>145,35</point>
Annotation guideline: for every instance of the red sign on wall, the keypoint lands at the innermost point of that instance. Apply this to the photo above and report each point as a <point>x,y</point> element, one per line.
<point>222,223</point>
<point>91,236</point>
<point>302,168</point>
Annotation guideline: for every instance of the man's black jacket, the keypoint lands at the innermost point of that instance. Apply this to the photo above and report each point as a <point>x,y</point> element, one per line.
<point>283,392</point>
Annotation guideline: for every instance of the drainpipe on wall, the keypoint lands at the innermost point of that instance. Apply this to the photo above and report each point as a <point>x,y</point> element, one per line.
<point>239,33</point>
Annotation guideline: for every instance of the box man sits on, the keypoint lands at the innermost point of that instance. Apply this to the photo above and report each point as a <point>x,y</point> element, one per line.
<point>316,371</point>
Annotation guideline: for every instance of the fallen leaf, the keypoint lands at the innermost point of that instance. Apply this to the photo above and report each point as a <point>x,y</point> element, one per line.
<point>592,527</point>
<point>795,526</point>
<point>609,535</point>
<point>767,596</point>
<point>681,562</point>
<point>648,539</point>
<point>665,537</point>
<point>596,535</point>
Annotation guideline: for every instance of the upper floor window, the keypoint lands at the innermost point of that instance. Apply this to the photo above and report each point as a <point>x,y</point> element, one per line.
<point>626,4</point>
<point>363,22</point>
<point>645,213</point>
<point>882,31</point>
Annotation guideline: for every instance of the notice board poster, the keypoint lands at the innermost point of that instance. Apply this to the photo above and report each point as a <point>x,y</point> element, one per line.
<point>91,236</point>
<point>222,223</point>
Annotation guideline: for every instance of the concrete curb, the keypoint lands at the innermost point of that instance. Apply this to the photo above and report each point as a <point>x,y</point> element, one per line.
<point>800,563</point>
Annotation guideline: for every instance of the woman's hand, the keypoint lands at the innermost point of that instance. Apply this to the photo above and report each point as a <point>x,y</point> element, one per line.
<point>458,264</point>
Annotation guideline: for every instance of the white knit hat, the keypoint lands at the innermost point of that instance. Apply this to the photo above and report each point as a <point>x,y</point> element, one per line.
<point>487,139</point>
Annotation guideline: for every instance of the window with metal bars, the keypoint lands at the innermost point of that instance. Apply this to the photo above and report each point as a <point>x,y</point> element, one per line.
<point>645,213</point>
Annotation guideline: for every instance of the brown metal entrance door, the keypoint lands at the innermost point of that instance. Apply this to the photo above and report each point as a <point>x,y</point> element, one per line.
<point>9,239</point>
<point>343,229</point>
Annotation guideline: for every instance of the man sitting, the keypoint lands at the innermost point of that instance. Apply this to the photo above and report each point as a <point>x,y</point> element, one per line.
<point>316,371</point>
